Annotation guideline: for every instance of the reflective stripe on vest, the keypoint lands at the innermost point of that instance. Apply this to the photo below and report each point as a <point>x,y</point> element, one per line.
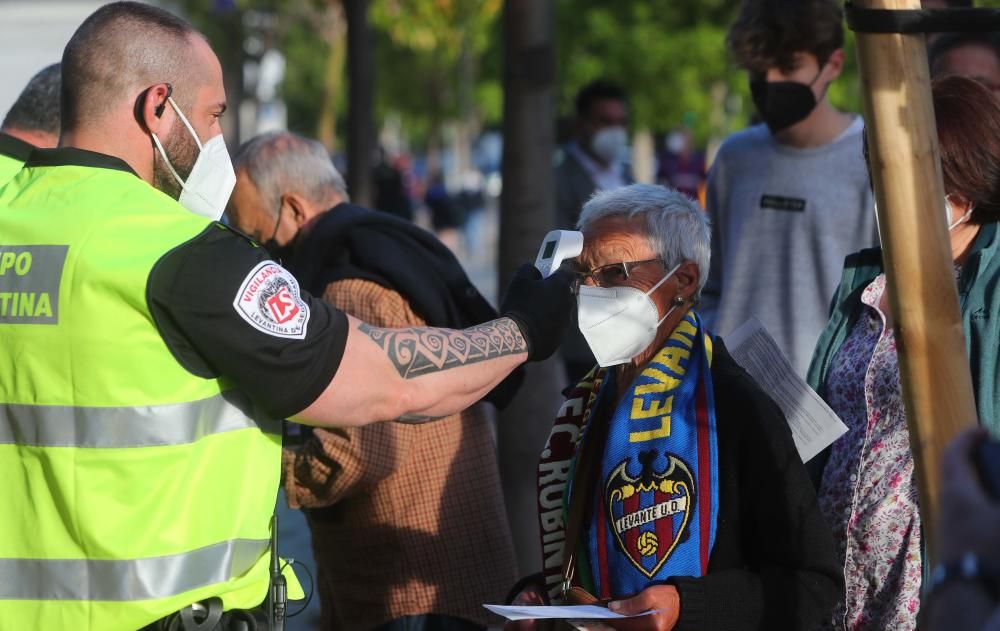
<point>122,427</point>
<point>133,487</point>
<point>135,579</point>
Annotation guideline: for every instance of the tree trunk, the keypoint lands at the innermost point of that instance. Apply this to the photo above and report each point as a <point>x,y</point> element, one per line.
<point>232,57</point>
<point>361,106</point>
<point>527,213</point>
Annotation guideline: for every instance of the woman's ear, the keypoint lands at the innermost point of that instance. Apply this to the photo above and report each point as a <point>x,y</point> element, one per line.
<point>688,275</point>
<point>960,203</point>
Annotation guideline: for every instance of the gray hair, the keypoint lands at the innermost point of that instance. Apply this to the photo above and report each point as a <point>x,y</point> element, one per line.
<point>675,225</point>
<point>282,162</point>
<point>37,108</point>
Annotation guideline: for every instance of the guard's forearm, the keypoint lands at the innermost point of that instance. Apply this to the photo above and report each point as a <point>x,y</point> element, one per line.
<point>420,351</point>
<point>415,372</point>
<point>447,370</point>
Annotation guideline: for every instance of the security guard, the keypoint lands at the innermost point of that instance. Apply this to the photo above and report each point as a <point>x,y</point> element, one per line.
<point>33,121</point>
<point>147,349</point>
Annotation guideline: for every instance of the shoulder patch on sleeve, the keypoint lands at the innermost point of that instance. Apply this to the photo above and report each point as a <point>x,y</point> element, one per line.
<point>269,301</point>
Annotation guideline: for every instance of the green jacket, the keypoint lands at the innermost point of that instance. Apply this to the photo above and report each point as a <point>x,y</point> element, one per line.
<point>979,299</point>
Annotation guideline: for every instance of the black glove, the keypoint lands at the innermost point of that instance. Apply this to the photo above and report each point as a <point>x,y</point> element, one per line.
<point>540,307</point>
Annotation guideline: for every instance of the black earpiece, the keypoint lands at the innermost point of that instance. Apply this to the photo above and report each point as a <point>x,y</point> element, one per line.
<point>159,108</point>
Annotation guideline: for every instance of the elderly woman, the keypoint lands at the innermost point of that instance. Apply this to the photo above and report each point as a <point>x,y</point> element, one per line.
<point>676,478</point>
<point>868,492</point>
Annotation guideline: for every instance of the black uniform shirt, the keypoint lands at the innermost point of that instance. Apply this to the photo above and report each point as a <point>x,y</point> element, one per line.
<point>225,309</point>
<point>14,148</point>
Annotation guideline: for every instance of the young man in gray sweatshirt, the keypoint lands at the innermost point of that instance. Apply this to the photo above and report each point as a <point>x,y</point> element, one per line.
<point>789,198</point>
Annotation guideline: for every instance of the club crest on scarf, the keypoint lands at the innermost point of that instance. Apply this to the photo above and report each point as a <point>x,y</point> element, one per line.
<point>655,516</point>
<point>650,513</point>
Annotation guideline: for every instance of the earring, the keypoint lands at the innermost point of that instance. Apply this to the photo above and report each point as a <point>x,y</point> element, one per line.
<point>679,301</point>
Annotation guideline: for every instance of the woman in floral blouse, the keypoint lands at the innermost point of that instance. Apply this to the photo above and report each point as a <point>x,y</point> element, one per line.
<point>868,490</point>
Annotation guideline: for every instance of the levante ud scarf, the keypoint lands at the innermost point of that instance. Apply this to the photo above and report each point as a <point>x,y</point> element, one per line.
<point>655,505</point>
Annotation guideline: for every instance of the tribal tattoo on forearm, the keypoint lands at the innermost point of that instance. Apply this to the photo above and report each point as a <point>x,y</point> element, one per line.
<point>421,351</point>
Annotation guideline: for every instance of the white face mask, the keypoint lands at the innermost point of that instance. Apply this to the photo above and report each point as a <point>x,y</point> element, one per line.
<point>676,143</point>
<point>610,143</point>
<point>207,189</point>
<point>619,322</point>
<point>950,212</point>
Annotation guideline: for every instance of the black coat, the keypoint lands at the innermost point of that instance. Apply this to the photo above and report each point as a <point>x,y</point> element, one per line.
<point>351,242</point>
<point>774,564</point>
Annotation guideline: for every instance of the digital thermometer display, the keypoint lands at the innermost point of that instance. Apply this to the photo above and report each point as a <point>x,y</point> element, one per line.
<point>557,246</point>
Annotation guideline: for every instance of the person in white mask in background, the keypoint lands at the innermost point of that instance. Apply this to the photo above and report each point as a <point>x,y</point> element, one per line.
<point>670,476</point>
<point>596,159</point>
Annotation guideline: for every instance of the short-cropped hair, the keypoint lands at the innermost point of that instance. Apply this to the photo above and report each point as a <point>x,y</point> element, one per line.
<point>37,108</point>
<point>768,33</point>
<point>675,225</point>
<point>121,49</point>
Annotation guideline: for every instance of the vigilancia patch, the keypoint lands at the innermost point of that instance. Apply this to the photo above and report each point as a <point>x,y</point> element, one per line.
<point>269,301</point>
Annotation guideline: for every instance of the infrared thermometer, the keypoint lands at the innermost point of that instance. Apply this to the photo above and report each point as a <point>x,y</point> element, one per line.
<point>557,246</point>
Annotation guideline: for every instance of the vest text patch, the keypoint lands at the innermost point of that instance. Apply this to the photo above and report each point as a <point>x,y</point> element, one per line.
<point>791,204</point>
<point>30,276</point>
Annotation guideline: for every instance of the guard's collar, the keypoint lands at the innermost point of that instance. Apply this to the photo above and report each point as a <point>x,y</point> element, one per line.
<point>71,156</point>
<point>14,147</point>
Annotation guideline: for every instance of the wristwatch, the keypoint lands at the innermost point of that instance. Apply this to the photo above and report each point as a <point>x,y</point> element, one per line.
<point>968,567</point>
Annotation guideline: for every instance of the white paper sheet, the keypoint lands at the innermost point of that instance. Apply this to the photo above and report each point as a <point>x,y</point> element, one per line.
<point>569,612</point>
<point>814,425</point>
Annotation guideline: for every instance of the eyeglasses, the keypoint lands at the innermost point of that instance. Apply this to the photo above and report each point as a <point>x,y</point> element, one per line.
<point>613,274</point>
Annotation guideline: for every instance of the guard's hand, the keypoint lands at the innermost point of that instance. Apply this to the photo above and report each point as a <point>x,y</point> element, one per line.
<point>541,307</point>
<point>663,599</point>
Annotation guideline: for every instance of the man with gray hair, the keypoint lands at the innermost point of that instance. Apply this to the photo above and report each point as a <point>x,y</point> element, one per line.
<point>33,121</point>
<point>283,183</point>
<point>389,273</point>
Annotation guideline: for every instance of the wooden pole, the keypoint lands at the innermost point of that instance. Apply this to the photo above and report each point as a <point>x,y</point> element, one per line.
<point>906,170</point>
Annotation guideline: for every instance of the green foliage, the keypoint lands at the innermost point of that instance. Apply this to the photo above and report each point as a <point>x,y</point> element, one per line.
<point>419,49</point>
<point>669,54</point>
<point>296,32</point>
<point>306,53</point>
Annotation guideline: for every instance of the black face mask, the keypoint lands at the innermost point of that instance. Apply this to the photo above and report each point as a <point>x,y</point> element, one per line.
<point>783,103</point>
<point>278,252</point>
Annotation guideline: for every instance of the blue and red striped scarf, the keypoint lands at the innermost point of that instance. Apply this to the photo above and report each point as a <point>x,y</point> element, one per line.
<point>655,505</point>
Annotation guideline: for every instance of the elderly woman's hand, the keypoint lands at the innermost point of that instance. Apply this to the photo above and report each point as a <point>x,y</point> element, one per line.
<point>664,600</point>
<point>530,595</point>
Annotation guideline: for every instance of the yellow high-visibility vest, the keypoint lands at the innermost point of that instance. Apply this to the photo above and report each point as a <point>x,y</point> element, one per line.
<point>131,487</point>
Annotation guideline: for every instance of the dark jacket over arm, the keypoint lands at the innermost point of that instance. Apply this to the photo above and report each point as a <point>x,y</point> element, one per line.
<point>773,565</point>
